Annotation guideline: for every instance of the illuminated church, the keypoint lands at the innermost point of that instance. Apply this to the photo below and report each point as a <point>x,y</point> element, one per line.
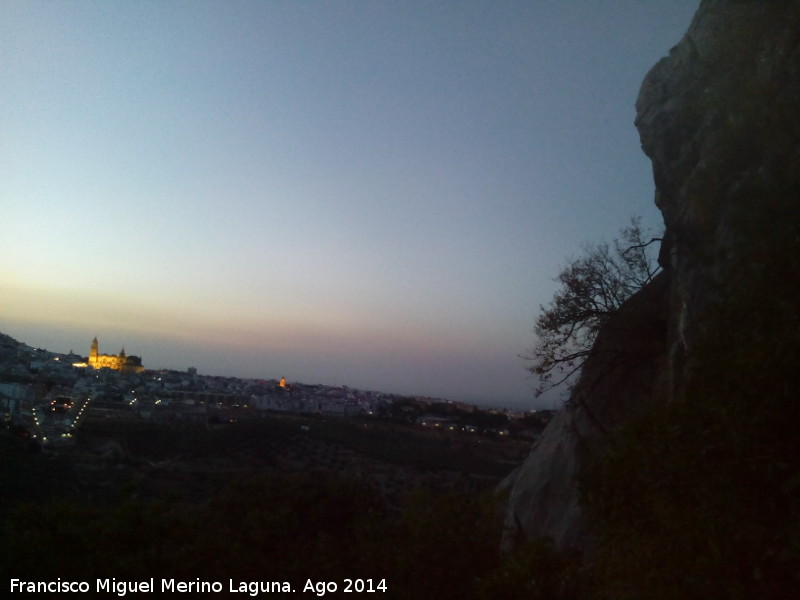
<point>118,362</point>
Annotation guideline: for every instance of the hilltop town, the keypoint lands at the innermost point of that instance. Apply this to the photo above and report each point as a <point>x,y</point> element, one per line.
<point>122,447</point>
<point>156,426</point>
<point>48,394</point>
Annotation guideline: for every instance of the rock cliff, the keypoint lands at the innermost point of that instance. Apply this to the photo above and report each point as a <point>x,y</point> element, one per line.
<point>719,119</point>
<point>621,378</point>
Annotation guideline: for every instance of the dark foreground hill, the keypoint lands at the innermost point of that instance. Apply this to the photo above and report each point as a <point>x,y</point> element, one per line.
<point>281,499</point>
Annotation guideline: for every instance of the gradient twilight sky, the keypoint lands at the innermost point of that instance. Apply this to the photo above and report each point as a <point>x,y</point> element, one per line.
<point>376,194</point>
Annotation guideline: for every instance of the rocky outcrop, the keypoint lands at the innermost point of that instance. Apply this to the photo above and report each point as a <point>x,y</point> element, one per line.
<point>719,119</point>
<point>621,377</point>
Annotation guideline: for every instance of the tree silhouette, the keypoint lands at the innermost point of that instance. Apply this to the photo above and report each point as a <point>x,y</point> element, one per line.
<point>593,287</point>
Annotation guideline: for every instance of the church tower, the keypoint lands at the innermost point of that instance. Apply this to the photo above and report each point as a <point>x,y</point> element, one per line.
<point>93,353</point>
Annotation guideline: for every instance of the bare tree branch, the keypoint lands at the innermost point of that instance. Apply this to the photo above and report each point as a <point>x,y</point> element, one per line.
<point>594,287</point>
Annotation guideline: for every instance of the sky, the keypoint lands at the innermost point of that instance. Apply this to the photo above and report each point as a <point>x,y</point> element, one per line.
<point>375,194</point>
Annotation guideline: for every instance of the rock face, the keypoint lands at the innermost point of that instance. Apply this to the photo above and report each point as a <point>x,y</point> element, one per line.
<point>719,119</point>
<point>621,378</point>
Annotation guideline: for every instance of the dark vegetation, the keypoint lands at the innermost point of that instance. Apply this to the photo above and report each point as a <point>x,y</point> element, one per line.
<point>136,500</point>
<point>274,526</point>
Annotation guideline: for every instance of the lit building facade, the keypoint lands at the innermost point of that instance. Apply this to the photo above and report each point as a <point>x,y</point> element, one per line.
<point>117,362</point>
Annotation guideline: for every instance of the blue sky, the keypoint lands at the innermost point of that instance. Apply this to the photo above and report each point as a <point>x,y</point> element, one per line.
<point>376,194</point>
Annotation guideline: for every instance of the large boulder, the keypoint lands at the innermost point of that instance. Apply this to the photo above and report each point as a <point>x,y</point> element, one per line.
<point>719,119</point>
